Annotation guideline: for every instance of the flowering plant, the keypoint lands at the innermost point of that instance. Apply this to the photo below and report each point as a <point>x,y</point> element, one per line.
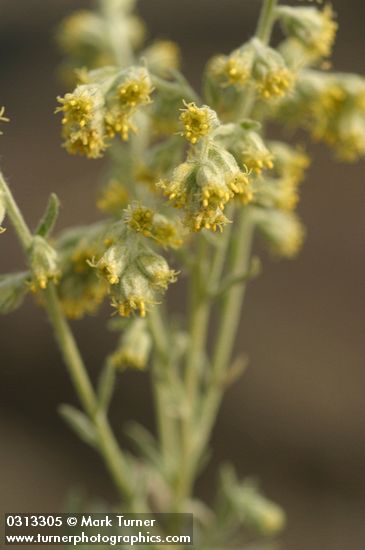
<point>190,181</point>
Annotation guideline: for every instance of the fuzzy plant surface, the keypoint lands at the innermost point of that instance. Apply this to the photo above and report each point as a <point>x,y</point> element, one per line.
<point>190,180</point>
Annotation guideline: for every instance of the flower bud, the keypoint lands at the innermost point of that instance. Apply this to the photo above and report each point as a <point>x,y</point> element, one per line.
<point>113,263</point>
<point>157,270</point>
<point>282,231</point>
<point>133,293</point>
<point>252,152</point>
<point>162,57</point>
<point>289,162</point>
<point>134,347</point>
<point>234,69</point>
<point>244,501</point>
<point>43,263</point>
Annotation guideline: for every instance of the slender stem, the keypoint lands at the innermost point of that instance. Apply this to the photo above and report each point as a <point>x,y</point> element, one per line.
<point>230,316</point>
<point>199,316</point>
<point>240,250</point>
<point>70,352</point>
<point>266,21</point>
<point>162,382</point>
<point>117,33</point>
<point>108,446</point>
<point>20,227</point>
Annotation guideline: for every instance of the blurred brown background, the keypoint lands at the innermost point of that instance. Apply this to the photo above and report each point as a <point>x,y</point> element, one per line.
<point>296,419</point>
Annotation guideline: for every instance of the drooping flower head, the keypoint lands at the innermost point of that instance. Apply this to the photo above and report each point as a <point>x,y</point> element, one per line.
<point>83,128</point>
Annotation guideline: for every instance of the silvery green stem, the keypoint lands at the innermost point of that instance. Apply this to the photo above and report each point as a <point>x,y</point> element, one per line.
<point>107,444</point>
<point>195,437</point>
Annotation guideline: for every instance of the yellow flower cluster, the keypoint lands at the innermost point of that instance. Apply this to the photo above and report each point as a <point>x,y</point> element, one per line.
<point>332,108</point>
<point>140,281</point>
<point>85,36</point>
<point>253,64</point>
<point>80,291</point>
<point>102,108</point>
<point>82,122</point>
<point>133,92</point>
<point>134,272</point>
<point>289,169</point>
<point>314,29</point>
<point>203,188</point>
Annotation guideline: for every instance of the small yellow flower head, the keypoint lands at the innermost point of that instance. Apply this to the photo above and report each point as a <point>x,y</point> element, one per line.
<point>118,123</point>
<point>135,90</point>
<point>167,232</point>
<point>44,264</point>
<point>113,263</point>
<point>332,108</point>
<point>313,28</point>
<point>252,153</point>
<point>80,290</point>
<point>133,348</point>
<point>241,186</point>
<point>282,231</point>
<point>260,513</point>
<point>289,162</point>
<point>287,195</point>
<point>273,78</point>
<point>113,198</point>
<point>157,270</point>
<point>79,107</point>
<point>176,188</point>
<point>197,122</point>
<point>82,121</point>
<point>212,220</point>
<point>162,57</point>
<point>203,189</point>
<point>161,229</point>
<point>75,31</point>
<point>232,70</point>
<point>275,84</point>
<point>140,219</point>
<point>133,294</point>
<point>245,503</point>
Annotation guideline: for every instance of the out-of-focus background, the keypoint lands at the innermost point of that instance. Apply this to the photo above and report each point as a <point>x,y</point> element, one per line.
<point>296,418</point>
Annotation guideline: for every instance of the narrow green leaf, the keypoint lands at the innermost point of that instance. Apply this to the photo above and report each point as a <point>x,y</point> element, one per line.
<point>79,423</point>
<point>50,216</point>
